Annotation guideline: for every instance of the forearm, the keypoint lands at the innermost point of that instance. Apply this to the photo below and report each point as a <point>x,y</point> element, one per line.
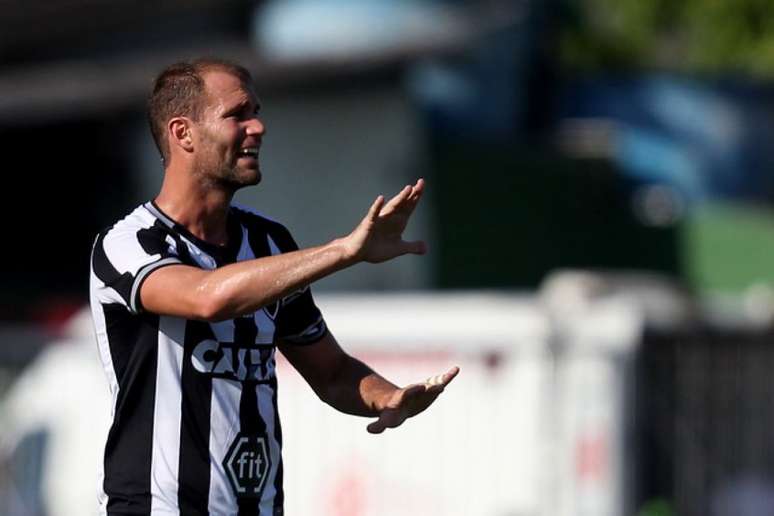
<point>357,389</point>
<point>244,287</point>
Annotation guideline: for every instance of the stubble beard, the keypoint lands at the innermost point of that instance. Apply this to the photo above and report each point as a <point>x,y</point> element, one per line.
<point>225,176</point>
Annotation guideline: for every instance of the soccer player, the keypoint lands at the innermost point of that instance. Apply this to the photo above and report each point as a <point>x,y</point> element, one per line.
<point>191,296</point>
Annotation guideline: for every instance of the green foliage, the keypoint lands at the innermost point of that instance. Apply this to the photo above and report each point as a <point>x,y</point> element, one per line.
<point>694,36</point>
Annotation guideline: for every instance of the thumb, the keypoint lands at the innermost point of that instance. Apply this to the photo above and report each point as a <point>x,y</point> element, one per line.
<point>416,247</point>
<point>389,418</point>
<point>375,208</point>
<point>377,427</point>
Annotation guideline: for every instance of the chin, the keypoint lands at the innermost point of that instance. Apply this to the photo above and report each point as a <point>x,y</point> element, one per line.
<point>245,178</point>
<point>254,177</point>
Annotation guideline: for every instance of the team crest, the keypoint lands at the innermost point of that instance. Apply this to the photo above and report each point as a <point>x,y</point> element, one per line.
<point>272,310</point>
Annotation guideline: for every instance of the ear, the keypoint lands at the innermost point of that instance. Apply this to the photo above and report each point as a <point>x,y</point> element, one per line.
<point>179,132</point>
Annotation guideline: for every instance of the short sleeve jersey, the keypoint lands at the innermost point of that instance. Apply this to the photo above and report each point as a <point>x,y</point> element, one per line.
<point>195,428</point>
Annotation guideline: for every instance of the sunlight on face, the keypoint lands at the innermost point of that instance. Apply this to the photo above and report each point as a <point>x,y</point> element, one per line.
<point>228,133</point>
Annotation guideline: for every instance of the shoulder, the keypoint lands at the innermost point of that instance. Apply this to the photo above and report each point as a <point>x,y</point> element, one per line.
<point>140,219</point>
<point>258,225</point>
<point>139,232</point>
<point>250,216</point>
<point>254,220</point>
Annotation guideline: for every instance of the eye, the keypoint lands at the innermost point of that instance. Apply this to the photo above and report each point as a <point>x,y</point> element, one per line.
<point>243,113</point>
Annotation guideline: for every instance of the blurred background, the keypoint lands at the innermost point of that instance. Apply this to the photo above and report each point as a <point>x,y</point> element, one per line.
<point>599,213</point>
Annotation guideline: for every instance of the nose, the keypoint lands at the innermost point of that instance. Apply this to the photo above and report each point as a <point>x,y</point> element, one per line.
<point>255,127</point>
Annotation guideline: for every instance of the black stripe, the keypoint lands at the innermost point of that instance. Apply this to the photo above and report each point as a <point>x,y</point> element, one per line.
<point>194,467</point>
<point>245,332</point>
<point>153,239</point>
<point>221,254</point>
<point>282,238</point>
<point>259,245</point>
<point>299,314</point>
<point>261,226</point>
<point>250,420</point>
<point>256,237</point>
<point>128,452</point>
<point>107,274</point>
<point>279,498</point>
<point>250,423</point>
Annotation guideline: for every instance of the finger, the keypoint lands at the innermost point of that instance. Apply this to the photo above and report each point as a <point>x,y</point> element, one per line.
<point>449,375</point>
<point>414,196</point>
<point>398,200</point>
<point>435,380</point>
<point>416,190</point>
<point>417,247</point>
<point>375,208</point>
<point>443,379</point>
<point>411,203</point>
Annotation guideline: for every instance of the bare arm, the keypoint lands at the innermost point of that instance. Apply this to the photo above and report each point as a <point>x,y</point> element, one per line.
<point>350,386</point>
<point>340,380</point>
<point>243,287</point>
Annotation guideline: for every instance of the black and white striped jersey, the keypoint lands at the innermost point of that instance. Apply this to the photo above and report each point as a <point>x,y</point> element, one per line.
<point>194,404</point>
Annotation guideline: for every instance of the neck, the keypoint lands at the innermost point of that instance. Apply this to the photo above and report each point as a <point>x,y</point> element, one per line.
<point>201,208</point>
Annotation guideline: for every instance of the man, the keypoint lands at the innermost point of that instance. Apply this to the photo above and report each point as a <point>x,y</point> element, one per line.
<point>190,296</point>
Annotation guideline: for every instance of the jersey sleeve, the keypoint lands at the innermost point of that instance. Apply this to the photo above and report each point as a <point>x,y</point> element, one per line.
<point>123,258</point>
<point>298,321</point>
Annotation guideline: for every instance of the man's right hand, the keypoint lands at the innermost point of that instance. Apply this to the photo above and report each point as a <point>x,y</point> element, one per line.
<point>379,236</point>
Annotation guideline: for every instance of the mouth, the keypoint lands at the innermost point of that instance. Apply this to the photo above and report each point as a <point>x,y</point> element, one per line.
<point>248,152</point>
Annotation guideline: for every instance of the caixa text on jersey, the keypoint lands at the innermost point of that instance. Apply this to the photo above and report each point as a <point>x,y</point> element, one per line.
<point>232,361</point>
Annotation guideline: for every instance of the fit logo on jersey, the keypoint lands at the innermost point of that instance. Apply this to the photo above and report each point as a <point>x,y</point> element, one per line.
<point>233,362</point>
<point>247,465</point>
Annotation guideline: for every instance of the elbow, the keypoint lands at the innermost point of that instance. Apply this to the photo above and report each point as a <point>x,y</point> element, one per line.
<point>210,311</point>
<point>212,307</point>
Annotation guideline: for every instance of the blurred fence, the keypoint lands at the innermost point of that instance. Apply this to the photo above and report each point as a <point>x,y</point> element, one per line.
<point>600,395</point>
<point>705,420</point>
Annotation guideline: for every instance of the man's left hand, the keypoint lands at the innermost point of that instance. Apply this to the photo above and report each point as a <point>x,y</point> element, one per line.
<point>411,400</point>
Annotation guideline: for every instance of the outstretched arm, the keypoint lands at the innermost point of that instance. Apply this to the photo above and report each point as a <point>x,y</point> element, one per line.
<point>350,386</point>
<point>243,287</point>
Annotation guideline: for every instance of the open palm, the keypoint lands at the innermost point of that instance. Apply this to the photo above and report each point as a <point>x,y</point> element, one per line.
<point>379,236</point>
<point>411,400</point>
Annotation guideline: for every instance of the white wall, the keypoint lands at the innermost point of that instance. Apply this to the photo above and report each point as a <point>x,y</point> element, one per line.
<point>534,425</point>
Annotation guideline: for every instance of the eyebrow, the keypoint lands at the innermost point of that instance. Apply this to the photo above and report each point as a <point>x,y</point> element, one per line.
<point>242,105</point>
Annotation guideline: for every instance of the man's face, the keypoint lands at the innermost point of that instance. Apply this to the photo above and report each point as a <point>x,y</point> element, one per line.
<point>228,133</point>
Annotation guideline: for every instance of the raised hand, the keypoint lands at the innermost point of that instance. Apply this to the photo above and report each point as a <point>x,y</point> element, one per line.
<point>379,236</point>
<point>411,400</point>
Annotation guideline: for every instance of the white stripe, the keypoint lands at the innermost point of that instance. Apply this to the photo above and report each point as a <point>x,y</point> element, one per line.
<point>224,426</point>
<point>100,331</point>
<point>166,416</point>
<point>266,409</point>
<point>123,249</point>
<point>245,251</point>
<point>272,246</point>
<point>265,328</point>
<point>223,330</point>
